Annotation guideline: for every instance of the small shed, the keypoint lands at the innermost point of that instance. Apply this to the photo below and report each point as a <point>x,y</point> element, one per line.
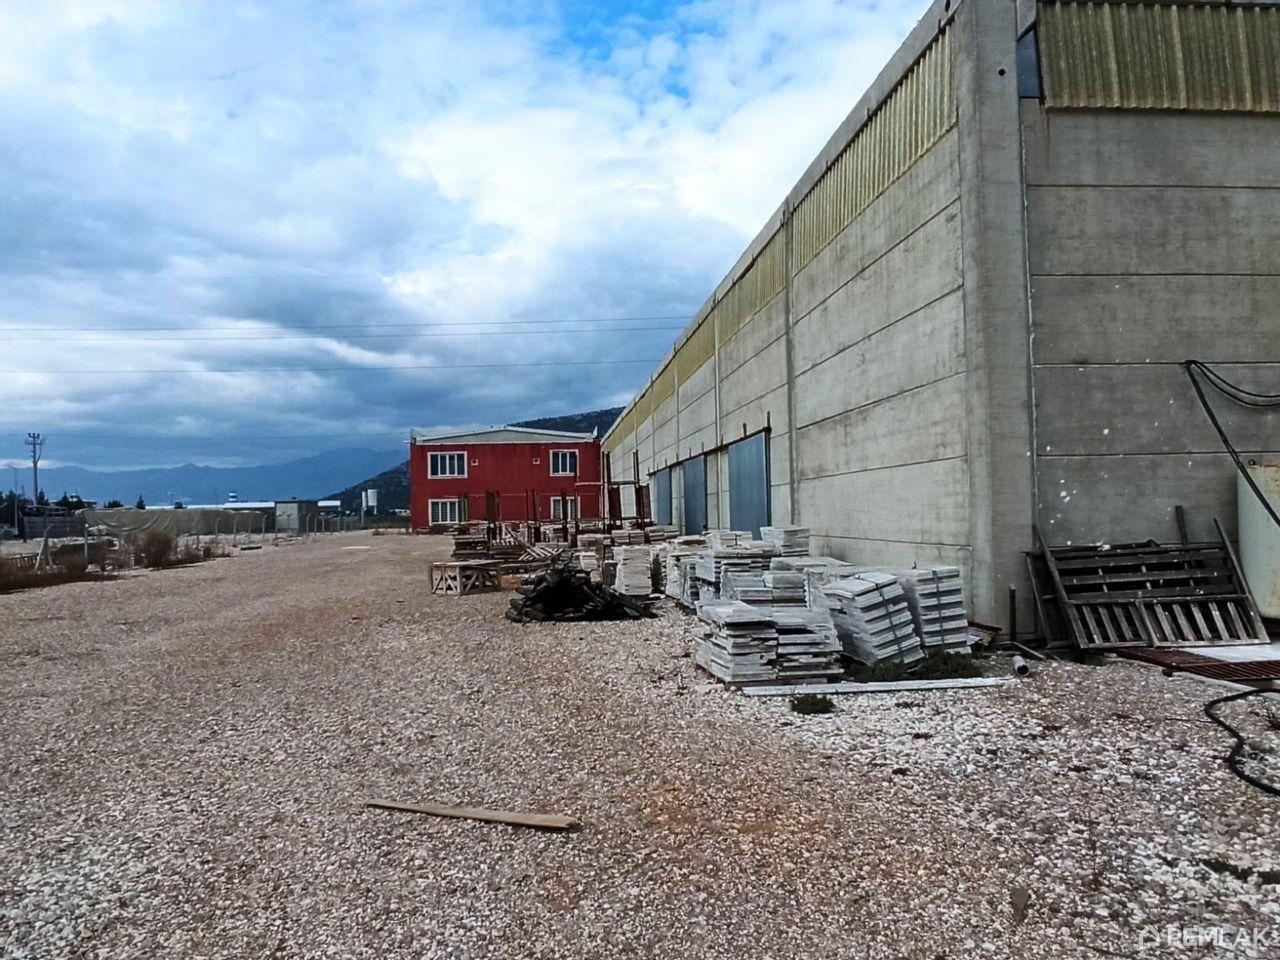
<point>297,516</point>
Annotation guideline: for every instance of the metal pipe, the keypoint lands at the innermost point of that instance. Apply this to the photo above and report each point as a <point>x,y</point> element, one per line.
<point>1020,667</point>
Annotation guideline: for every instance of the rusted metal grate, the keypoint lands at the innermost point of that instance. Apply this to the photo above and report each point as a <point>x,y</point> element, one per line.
<point>1148,594</point>
<point>1185,661</point>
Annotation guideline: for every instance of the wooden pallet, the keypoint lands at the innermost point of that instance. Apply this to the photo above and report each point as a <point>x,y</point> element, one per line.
<point>1145,594</point>
<point>455,578</point>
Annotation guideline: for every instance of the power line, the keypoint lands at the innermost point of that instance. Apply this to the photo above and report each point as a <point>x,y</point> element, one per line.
<point>215,438</point>
<point>356,368</point>
<point>358,324</point>
<point>111,337</point>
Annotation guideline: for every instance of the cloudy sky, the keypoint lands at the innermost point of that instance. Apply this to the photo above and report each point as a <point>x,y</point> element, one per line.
<point>243,232</point>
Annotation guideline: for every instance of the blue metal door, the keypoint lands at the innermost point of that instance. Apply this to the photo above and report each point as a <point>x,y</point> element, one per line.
<point>662,496</point>
<point>749,484</point>
<point>695,495</point>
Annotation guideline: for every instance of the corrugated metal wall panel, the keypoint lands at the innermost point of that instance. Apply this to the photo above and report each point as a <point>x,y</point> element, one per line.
<point>1160,56</point>
<point>760,282</point>
<point>907,123</point>
<point>696,350</point>
<point>910,120</point>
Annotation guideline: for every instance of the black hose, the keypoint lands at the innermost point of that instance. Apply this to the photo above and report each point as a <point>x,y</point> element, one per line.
<point>1191,367</point>
<point>1233,758</point>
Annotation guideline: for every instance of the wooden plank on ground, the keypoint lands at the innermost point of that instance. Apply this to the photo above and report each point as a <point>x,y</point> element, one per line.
<point>896,686</point>
<point>539,821</point>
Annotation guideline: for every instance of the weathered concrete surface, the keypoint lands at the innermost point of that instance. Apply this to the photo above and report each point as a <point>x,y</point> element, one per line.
<point>1155,237</point>
<point>997,322</point>
<point>1105,319</point>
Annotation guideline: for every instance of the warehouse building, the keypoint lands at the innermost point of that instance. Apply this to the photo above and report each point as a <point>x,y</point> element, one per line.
<point>505,473</point>
<point>968,317</point>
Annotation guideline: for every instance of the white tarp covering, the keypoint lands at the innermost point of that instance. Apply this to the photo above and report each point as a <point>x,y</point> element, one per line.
<point>123,521</point>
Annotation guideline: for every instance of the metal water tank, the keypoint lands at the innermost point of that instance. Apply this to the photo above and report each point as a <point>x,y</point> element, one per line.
<point>1260,536</point>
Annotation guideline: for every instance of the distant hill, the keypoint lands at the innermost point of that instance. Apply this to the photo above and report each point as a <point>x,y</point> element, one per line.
<point>597,420</point>
<point>393,485</point>
<point>309,477</point>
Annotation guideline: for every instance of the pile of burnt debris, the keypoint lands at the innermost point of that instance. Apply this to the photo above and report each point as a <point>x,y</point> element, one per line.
<point>566,594</point>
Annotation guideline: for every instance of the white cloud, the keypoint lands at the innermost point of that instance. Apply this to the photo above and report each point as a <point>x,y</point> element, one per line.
<point>278,168</point>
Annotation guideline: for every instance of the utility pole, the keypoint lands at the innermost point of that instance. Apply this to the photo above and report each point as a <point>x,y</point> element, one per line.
<point>36,443</point>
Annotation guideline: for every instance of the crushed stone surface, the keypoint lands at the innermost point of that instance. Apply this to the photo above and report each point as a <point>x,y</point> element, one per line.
<point>185,753</point>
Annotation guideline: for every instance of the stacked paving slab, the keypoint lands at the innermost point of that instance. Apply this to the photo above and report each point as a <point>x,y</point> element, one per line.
<point>873,619</point>
<point>746,644</point>
<point>790,541</point>
<point>935,596</point>
<point>633,575</point>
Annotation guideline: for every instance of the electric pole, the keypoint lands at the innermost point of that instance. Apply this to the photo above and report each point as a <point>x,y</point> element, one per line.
<point>36,443</point>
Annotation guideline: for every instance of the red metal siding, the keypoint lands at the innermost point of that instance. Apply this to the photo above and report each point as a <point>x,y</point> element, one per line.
<point>509,469</point>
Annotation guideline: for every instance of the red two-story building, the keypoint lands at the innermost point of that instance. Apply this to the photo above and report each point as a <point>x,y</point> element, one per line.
<point>535,474</point>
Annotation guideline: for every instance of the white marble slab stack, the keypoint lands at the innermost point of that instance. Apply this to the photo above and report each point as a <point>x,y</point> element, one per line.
<point>873,619</point>
<point>660,533</point>
<point>589,561</point>
<point>935,596</point>
<point>626,537</point>
<point>817,571</point>
<point>674,553</point>
<point>747,587</point>
<point>808,645</point>
<point>790,541</point>
<point>634,575</point>
<point>715,562</point>
<point>740,645</point>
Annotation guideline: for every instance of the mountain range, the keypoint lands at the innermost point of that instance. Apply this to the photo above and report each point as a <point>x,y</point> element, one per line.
<point>314,477</point>
<point>308,478</point>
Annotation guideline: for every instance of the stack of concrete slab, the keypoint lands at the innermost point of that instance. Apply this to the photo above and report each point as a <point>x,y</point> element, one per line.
<point>935,596</point>
<point>816,571</point>
<point>769,588</point>
<point>873,619</point>
<point>808,644</point>
<point>660,533</point>
<point>589,561</point>
<point>748,588</point>
<point>633,575</point>
<point>790,541</point>
<point>673,552</point>
<point>741,642</point>
<point>714,562</point>
<point>746,644</point>
<point>688,588</point>
<point>626,537</point>
<point>786,587</point>
<point>727,538</point>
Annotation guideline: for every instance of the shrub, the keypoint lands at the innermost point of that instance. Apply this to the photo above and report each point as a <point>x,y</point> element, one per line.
<point>157,548</point>
<point>811,704</point>
<point>948,666</point>
<point>74,564</point>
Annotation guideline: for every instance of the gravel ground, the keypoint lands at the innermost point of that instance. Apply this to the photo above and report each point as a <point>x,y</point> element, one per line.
<point>185,752</point>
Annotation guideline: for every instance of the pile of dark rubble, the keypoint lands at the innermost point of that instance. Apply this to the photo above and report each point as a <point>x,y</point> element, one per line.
<point>565,594</point>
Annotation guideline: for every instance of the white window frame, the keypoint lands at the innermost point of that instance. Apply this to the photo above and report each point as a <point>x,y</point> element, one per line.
<point>458,511</point>
<point>432,463</point>
<point>575,508</point>
<point>564,473</point>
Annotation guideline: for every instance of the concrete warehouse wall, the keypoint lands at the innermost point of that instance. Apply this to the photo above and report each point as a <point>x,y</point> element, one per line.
<point>976,322</point>
<point>1154,238</point>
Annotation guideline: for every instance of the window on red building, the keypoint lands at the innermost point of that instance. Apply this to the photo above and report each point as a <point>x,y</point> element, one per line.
<point>447,465</point>
<point>564,463</point>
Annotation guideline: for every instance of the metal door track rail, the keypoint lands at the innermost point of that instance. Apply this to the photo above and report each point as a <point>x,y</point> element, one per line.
<point>1185,661</point>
